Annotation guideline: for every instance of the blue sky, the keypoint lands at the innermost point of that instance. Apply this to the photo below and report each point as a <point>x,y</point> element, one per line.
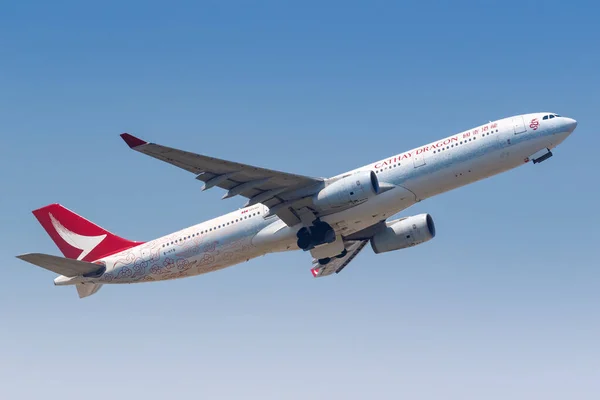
<point>503,303</point>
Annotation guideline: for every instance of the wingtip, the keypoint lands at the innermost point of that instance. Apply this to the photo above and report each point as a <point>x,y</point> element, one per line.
<point>131,140</point>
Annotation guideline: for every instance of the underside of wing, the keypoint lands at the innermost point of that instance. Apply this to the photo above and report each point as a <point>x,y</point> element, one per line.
<point>277,190</point>
<point>336,264</point>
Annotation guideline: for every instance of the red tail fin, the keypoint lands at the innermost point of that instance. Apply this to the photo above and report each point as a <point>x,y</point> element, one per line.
<point>77,237</point>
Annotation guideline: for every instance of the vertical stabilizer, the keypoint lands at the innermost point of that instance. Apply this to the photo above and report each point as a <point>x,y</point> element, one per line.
<point>78,238</point>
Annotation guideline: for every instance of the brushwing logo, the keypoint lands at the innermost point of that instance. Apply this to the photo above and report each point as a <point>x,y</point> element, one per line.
<point>84,243</point>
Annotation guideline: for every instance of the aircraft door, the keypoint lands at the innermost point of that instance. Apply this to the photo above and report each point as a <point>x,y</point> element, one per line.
<point>419,160</point>
<point>518,125</point>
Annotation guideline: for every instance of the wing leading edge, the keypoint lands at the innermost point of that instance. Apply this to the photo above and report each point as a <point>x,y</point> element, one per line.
<point>280,191</point>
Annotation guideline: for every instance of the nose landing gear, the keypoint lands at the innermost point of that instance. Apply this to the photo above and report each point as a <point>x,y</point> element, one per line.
<point>543,158</point>
<point>540,156</point>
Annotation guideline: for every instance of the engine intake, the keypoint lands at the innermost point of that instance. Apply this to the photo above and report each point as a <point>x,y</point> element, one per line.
<point>404,233</point>
<point>349,191</point>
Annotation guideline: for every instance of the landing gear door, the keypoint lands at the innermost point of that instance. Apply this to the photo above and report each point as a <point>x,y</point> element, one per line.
<point>518,125</point>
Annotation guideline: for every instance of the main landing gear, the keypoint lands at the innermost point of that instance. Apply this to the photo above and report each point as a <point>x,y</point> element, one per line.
<point>325,261</point>
<point>319,233</point>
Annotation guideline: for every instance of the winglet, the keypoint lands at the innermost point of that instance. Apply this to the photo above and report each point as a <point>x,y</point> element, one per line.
<point>132,141</point>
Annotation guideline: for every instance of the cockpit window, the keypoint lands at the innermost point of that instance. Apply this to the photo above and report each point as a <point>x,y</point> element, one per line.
<point>550,116</point>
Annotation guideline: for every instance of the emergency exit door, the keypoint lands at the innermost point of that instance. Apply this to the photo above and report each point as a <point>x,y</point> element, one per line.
<point>518,125</point>
<point>419,160</point>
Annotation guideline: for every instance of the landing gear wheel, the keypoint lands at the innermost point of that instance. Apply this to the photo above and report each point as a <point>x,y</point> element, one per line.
<point>324,261</point>
<point>304,239</point>
<point>303,242</point>
<point>322,233</point>
<point>342,254</point>
<point>329,236</point>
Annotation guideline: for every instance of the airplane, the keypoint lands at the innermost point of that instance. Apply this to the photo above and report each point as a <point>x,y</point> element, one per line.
<point>331,218</point>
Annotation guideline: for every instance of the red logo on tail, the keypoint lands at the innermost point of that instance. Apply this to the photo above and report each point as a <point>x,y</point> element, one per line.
<point>78,238</point>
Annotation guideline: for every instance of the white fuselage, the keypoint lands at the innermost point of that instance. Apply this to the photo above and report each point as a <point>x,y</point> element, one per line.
<point>417,174</point>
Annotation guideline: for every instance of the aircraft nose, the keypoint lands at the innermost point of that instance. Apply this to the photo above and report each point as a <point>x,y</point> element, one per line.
<point>570,124</point>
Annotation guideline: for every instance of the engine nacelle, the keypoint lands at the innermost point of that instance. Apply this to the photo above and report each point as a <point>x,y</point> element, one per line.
<point>349,191</point>
<point>404,233</point>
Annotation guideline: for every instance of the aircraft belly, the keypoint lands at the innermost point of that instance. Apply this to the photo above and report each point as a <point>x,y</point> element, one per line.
<point>445,174</point>
<point>278,237</point>
<point>196,256</point>
<point>372,211</point>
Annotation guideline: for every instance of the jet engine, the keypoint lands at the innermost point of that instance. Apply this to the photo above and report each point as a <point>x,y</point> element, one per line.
<point>348,191</point>
<point>403,233</point>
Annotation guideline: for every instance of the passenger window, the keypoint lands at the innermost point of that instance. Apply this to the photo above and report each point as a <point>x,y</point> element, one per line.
<point>551,116</point>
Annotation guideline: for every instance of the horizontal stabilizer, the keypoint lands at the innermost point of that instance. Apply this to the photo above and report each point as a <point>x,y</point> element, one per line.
<point>63,266</point>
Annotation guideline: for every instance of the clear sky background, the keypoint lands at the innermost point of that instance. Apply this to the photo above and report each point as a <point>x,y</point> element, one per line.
<point>503,303</point>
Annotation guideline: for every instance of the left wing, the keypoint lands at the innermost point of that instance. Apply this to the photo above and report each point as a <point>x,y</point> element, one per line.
<point>337,264</point>
<point>280,191</point>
